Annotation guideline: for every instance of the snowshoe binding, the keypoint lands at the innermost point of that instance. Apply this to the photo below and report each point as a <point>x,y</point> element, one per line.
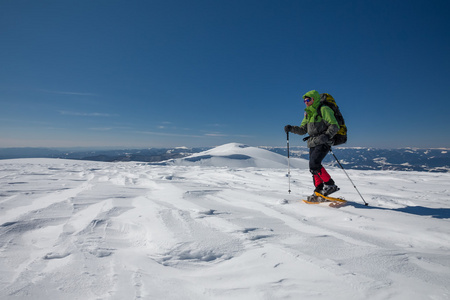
<point>315,199</point>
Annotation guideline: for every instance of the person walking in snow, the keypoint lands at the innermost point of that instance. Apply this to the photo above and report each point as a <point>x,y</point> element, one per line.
<point>321,131</point>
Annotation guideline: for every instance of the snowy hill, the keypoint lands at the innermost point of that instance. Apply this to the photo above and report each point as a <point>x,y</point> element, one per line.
<point>97,230</point>
<point>236,155</point>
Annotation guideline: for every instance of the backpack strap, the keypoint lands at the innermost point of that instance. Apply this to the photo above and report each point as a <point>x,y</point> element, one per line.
<point>323,101</point>
<point>319,109</point>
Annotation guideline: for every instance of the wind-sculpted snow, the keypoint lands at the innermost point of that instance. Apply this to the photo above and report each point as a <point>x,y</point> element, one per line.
<point>91,230</point>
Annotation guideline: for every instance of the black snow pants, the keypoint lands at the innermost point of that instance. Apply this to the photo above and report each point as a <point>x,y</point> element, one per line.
<point>316,155</point>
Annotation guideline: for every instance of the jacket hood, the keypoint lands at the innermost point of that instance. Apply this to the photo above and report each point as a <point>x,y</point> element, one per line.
<point>313,94</point>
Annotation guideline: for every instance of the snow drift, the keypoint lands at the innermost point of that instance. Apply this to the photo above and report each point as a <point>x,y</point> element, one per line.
<point>90,230</point>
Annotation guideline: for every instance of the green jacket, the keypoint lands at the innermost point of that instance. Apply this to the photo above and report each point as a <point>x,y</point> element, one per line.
<point>320,129</point>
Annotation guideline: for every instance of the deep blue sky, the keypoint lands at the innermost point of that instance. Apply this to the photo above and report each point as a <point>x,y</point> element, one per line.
<point>208,72</point>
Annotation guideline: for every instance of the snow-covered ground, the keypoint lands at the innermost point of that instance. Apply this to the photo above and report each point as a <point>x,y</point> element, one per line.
<point>218,225</point>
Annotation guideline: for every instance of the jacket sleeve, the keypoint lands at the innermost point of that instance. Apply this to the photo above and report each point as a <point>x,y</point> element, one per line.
<point>330,120</point>
<point>301,130</point>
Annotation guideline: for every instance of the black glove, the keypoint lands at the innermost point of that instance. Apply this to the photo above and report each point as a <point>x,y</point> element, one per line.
<point>287,128</point>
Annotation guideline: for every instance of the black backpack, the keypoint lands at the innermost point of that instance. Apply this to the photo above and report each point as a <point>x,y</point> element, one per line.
<point>341,136</point>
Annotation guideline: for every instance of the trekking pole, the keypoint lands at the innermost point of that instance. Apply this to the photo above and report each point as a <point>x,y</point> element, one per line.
<point>289,164</point>
<point>365,203</point>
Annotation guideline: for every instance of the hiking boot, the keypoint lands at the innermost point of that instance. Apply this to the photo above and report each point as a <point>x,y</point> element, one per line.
<point>329,189</point>
<point>319,188</point>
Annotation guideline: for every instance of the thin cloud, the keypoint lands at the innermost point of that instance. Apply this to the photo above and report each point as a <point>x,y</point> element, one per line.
<point>165,124</point>
<point>84,114</point>
<point>109,128</point>
<point>169,134</point>
<point>68,93</point>
<point>101,128</point>
<point>216,134</point>
<point>227,135</point>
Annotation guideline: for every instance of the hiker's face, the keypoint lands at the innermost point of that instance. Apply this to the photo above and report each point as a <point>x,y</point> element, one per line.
<point>309,101</point>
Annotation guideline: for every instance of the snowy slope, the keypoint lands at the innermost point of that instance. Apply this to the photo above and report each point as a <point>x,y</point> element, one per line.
<point>91,230</point>
<point>236,155</point>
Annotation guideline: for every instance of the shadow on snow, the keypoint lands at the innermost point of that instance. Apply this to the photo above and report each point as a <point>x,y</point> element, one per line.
<point>438,213</point>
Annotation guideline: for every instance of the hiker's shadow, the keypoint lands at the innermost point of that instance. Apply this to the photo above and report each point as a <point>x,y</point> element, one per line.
<point>438,213</point>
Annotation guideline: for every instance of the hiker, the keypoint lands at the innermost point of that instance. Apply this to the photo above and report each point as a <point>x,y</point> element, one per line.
<point>321,130</point>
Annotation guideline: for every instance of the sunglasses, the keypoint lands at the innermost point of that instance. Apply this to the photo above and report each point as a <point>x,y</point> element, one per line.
<point>307,100</point>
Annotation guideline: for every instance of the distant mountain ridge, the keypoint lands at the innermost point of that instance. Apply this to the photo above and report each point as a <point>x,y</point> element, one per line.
<point>145,155</point>
<point>405,159</point>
